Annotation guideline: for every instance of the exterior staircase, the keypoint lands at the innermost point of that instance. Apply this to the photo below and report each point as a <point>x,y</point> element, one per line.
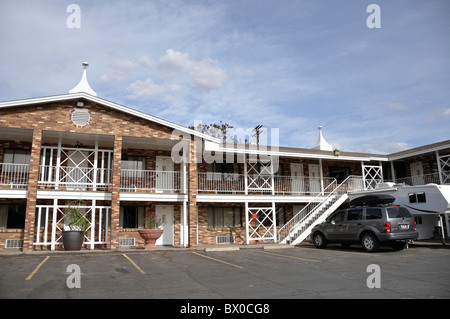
<point>299,227</point>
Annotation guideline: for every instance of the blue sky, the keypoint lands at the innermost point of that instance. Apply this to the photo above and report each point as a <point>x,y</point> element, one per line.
<point>287,64</point>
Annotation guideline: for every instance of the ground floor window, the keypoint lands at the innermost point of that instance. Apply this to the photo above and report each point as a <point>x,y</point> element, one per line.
<point>224,217</point>
<point>12,216</point>
<point>131,217</point>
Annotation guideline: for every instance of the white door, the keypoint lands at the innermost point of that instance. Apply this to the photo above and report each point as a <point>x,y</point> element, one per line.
<point>417,174</point>
<point>298,180</point>
<point>164,174</point>
<point>314,178</point>
<point>165,212</point>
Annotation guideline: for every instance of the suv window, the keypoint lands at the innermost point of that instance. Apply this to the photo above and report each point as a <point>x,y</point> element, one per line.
<point>338,217</point>
<point>373,213</point>
<point>398,212</point>
<point>354,214</point>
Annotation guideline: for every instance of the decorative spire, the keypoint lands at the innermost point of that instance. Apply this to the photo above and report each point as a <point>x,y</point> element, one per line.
<point>83,86</point>
<point>321,144</point>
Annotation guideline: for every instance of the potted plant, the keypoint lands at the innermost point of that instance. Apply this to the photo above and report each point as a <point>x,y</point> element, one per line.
<point>75,225</point>
<point>152,231</point>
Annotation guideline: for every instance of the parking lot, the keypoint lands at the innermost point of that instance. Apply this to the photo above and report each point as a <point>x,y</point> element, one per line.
<point>250,273</point>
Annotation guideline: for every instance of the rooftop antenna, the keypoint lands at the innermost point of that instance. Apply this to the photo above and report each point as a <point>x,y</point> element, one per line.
<point>83,86</point>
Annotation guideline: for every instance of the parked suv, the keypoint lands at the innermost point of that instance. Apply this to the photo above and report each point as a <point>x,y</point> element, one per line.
<point>369,225</point>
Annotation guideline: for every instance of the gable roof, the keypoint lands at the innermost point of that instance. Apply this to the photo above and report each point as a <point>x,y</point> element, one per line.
<point>112,105</point>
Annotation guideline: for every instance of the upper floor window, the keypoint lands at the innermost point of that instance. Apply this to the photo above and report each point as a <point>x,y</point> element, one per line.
<point>14,156</point>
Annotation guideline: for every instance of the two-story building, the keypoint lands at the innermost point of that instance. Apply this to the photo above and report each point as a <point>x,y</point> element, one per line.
<point>120,165</point>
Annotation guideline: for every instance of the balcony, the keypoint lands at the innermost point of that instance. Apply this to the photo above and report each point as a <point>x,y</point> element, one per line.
<point>229,183</point>
<point>150,181</point>
<point>14,176</point>
<point>100,179</point>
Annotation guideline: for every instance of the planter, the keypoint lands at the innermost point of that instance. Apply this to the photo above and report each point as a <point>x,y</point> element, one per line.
<point>150,236</point>
<point>72,240</point>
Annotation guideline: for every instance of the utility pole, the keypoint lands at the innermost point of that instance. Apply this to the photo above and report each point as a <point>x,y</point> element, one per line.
<point>257,133</point>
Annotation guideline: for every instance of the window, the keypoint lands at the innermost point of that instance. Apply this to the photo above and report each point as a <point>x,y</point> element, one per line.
<point>340,173</point>
<point>417,197</point>
<point>12,216</point>
<point>338,217</point>
<point>222,171</point>
<point>373,213</point>
<point>133,162</point>
<point>224,217</point>
<point>279,216</point>
<point>398,212</point>
<point>131,216</point>
<point>12,156</point>
<point>354,214</point>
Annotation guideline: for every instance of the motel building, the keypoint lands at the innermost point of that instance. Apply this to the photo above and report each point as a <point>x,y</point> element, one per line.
<point>120,165</point>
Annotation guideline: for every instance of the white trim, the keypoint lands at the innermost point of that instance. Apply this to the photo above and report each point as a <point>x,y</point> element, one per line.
<point>13,193</point>
<point>258,198</point>
<point>159,197</point>
<point>305,155</point>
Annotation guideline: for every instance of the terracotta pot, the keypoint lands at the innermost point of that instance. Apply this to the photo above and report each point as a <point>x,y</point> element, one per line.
<point>150,236</point>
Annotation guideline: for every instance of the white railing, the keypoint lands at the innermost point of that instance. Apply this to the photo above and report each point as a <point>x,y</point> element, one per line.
<point>221,183</point>
<point>305,218</point>
<point>73,178</point>
<point>421,179</point>
<point>149,180</point>
<point>14,175</point>
<point>229,183</point>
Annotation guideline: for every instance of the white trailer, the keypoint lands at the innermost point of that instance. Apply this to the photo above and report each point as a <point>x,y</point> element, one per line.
<point>429,204</point>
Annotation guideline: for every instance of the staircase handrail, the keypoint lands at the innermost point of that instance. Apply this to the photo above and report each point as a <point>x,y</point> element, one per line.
<point>286,229</point>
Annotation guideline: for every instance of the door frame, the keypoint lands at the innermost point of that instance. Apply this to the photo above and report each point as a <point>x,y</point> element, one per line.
<point>159,209</point>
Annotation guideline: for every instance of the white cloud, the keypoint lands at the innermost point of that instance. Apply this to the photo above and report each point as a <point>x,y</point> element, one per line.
<point>203,74</point>
<point>118,68</point>
<point>144,89</point>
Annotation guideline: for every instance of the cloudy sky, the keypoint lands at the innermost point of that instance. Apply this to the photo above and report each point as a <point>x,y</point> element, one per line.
<point>287,64</point>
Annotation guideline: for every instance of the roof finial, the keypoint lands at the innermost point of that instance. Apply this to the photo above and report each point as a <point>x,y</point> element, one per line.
<point>83,86</point>
<point>321,144</point>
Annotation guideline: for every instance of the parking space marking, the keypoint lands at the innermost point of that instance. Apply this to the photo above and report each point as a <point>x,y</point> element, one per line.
<point>287,256</point>
<point>221,261</point>
<point>37,268</point>
<point>134,264</point>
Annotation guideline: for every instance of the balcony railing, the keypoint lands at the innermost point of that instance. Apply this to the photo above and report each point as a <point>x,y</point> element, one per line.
<point>224,183</point>
<point>74,178</point>
<point>14,176</point>
<point>148,180</point>
<point>423,179</point>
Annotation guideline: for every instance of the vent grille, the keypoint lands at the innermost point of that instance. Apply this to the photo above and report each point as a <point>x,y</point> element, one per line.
<point>225,239</point>
<point>127,242</point>
<point>80,117</point>
<point>14,243</point>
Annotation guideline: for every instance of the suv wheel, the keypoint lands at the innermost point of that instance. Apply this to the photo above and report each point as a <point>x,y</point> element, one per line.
<point>369,242</point>
<point>319,240</point>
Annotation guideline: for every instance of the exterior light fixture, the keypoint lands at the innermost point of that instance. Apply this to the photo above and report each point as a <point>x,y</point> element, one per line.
<point>337,152</point>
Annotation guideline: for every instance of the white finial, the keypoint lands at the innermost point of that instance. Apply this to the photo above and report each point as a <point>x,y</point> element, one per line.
<point>83,86</point>
<point>321,144</point>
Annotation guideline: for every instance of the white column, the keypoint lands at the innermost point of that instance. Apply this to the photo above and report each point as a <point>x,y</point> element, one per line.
<point>93,223</point>
<point>438,160</point>
<point>246,224</point>
<point>274,214</point>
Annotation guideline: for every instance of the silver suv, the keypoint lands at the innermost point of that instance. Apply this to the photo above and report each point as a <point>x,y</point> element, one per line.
<point>368,225</point>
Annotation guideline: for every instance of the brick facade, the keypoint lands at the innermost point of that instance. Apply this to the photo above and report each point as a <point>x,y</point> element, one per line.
<point>40,123</point>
